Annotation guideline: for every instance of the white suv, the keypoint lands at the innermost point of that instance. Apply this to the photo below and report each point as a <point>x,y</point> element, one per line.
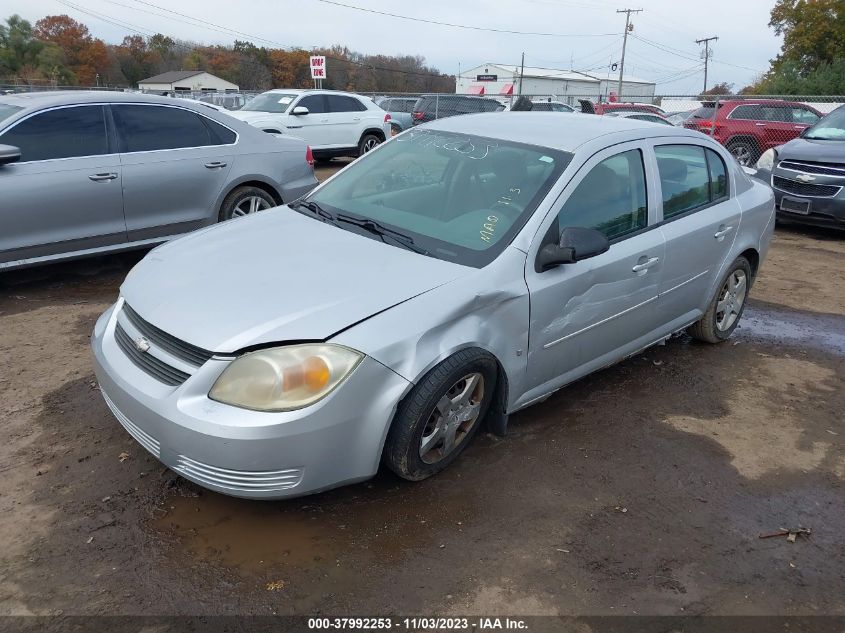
<point>332,123</point>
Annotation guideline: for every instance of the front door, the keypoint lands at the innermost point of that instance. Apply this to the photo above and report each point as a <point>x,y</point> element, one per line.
<point>64,194</point>
<point>174,168</point>
<point>596,311</point>
<point>313,127</point>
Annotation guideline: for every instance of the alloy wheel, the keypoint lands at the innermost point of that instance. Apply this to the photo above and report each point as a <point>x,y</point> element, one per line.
<point>742,155</point>
<point>251,204</point>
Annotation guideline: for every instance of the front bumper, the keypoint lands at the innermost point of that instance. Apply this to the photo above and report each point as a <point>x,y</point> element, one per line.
<point>824,211</point>
<point>243,453</point>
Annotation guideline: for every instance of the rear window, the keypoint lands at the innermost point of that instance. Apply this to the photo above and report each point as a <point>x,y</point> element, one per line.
<point>705,112</point>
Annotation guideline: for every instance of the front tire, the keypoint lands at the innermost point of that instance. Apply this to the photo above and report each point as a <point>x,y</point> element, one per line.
<point>725,310</point>
<point>245,201</point>
<point>368,143</point>
<point>438,418</point>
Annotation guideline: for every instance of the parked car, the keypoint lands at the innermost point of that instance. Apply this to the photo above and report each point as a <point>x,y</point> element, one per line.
<point>440,106</point>
<point>678,118</point>
<point>640,116</point>
<point>588,107</point>
<point>85,173</point>
<point>808,174</point>
<point>229,101</point>
<point>333,123</point>
<point>748,127</point>
<point>400,109</point>
<point>384,319</point>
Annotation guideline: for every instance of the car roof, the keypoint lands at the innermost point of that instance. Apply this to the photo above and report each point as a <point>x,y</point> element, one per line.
<point>302,91</point>
<point>548,129</point>
<point>41,100</point>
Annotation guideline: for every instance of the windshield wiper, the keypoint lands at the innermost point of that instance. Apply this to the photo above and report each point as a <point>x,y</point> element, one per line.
<point>371,226</point>
<point>314,208</point>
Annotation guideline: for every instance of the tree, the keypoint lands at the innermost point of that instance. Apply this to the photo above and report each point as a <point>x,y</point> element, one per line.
<point>86,57</point>
<point>723,88</point>
<point>813,33</point>
<point>18,46</point>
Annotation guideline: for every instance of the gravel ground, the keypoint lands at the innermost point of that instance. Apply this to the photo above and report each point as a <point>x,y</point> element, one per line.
<point>640,489</point>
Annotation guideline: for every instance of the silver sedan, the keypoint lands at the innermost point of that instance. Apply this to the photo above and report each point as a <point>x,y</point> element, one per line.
<point>459,273</point>
<point>86,173</point>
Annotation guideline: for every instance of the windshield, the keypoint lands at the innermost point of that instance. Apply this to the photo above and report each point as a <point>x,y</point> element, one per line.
<point>461,198</point>
<point>269,102</point>
<point>830,128</point>
<point>7,110</point>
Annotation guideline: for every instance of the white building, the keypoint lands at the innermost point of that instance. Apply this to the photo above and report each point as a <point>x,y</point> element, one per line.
<point>186,81</point>
<point>503,80</point>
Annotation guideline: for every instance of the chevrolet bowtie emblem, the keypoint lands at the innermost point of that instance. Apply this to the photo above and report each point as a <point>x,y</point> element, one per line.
<point>805,177</point>
<point>142,344</point>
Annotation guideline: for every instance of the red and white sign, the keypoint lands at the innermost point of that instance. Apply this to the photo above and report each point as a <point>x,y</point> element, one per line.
<point>318,67</point>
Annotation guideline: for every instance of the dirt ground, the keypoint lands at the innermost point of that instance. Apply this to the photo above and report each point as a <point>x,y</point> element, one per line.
<point>641,489</point>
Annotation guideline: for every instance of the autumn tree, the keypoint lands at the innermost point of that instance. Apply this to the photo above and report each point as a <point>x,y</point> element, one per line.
<point>25,58</point>
<point>813,32</point>
<point>86,57</point>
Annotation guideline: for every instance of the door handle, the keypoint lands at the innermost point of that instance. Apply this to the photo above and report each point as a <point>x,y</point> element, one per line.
<point>638,268</point>
<point>722,232</point>
<point>324,121</point>
<point>215,165</point>
<point>102,177</point>
<point>356,119</point>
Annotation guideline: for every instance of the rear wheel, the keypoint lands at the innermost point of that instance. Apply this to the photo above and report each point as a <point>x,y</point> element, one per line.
<point>437,419</point>
<point>725,310</point>
<point>245,201</point>
<point>746,152</point>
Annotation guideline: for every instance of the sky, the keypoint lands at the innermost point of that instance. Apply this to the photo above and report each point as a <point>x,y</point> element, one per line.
<point>582,34</point>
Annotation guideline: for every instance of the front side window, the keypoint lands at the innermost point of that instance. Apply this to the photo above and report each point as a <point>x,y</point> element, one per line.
<point>146,128</point>
<point>61,133</point>
<point>611,198</point>
<point>460,197</point>
<point>690,177</point>
<point>315,104</point>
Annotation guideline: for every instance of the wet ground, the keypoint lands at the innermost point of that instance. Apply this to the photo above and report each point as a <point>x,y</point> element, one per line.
<point>641,489</point>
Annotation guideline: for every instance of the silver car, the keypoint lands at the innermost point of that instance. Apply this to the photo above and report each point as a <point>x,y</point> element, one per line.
<point>462,271</point>
<point>85,173</point>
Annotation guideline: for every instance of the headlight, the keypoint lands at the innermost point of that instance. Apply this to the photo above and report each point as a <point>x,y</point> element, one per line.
<point>767,160</point>
<point>284,378</point>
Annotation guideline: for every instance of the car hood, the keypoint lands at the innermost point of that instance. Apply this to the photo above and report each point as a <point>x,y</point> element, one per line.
<point>255,116</point>
<point>807,149</point>
<point>273,277</point>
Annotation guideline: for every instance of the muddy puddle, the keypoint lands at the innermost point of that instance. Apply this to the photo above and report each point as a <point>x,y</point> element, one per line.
<point>822,332</point>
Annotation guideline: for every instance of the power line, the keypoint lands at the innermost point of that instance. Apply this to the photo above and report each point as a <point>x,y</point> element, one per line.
<point>463,26</point>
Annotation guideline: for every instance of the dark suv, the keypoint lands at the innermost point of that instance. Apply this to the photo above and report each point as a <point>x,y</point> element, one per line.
<point>440,106</point>
<point>808,174</point>
<point>748,127</point>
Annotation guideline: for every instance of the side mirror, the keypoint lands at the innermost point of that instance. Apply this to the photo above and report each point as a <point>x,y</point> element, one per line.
<point>9,154</point>
<point>576,243</point>
<point>299,111</point>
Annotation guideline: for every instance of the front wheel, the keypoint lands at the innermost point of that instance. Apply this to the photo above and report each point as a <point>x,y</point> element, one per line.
<point>725,310</point>
<point>368,143</point>
<point>437,419</point>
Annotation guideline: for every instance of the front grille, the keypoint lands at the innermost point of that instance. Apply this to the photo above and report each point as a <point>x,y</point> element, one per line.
<point>147,362</point>
<point>824,169</point>
<point>238,480</point>
<point>805,189</point>
<point>186,352</point>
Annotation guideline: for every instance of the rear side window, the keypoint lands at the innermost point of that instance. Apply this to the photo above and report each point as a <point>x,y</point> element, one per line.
<point>750,112</point>
<point>314,103</point>
<point>341,103</point>
<point>148,128</point>
<point>221,134</point>
<point>690,177</point>
<point>611,198</point>
<point>61,133</point>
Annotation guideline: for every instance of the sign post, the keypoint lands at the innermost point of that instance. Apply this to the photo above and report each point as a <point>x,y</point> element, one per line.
<point>318,70</point>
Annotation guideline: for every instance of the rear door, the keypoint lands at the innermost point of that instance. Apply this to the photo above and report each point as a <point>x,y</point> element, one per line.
<point>65,193</point>
<point>593,312</point>
<point>175,164</point>
<point>700,219</point>
<point>344,120</point>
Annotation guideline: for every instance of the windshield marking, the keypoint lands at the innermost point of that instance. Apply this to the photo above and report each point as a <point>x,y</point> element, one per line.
<point>463,146</point>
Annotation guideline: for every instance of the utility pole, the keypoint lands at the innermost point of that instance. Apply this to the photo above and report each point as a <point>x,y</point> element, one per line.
<point>627,13</point>
<point>706,41</point>
<point>521,72</point>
